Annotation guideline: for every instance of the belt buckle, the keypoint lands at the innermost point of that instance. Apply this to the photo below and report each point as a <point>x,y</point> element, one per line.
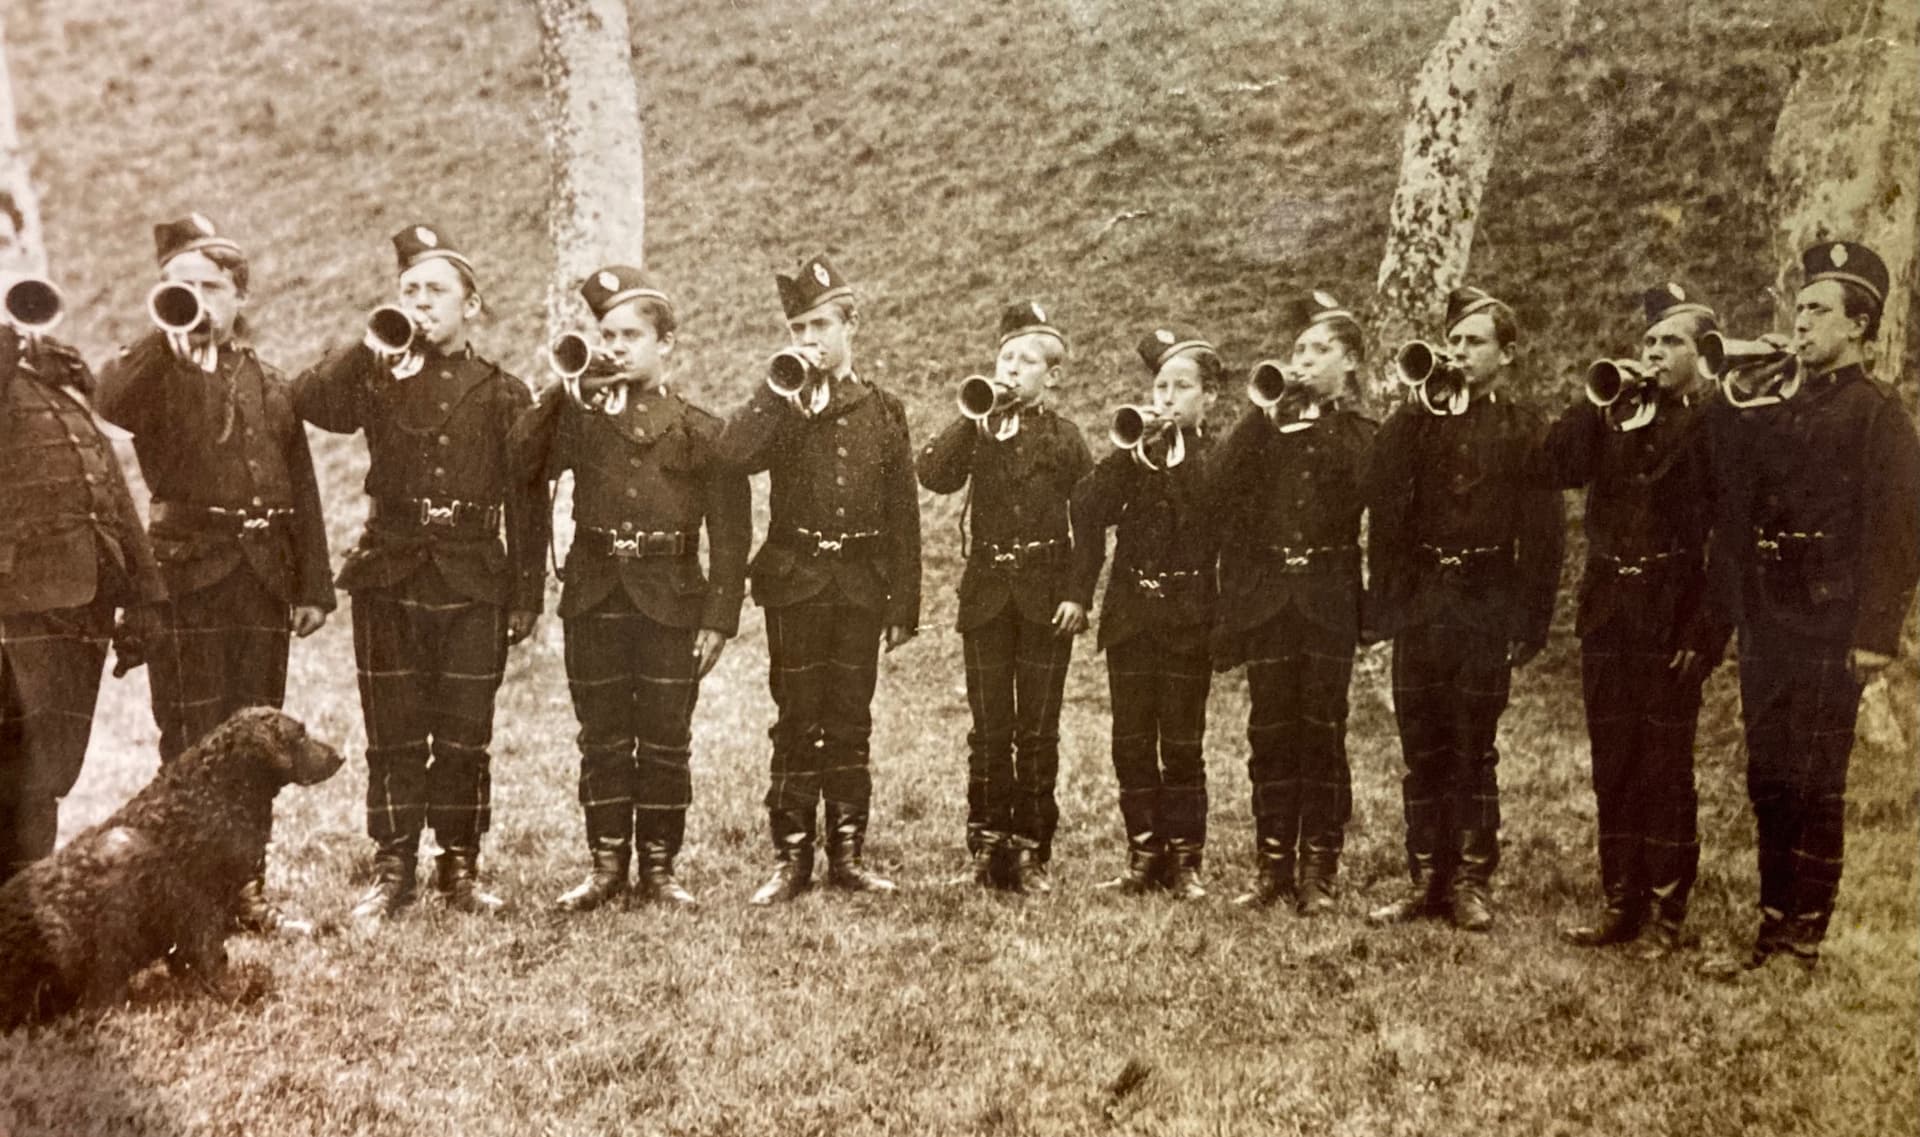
<point>624,546</point>
<point>1005,556</point>
<point>1297,560</point>
<point>1627,569</point>
<point>442,515</point>
<point>829,544</point>
<point>255,524</point>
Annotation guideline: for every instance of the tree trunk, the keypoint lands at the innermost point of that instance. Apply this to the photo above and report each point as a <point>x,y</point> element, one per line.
<point>1845,165</point>
<point>596,212</point>
<point>1460,103</point>
<point>28,250</point>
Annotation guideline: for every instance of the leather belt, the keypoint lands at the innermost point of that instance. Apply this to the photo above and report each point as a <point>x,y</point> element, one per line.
<point>1461,558</point>
<point>1779,546</point>
<point>219,518</point>
<point>436,513</point>
<point>1016,556</point>
<point>636,546</point>
<point>814,543</point>
<point>1157,584</point>
<point>1644,565</point>
<point>1313,558</point>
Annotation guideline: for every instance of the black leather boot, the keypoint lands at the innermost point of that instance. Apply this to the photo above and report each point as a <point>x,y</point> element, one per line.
<point>457,878</point>
<point>1273,871</point>
<point>656,875</point>
<point>393,881</point>
<point>1146,869</point>
<point>1618,922</point>
<point>846,841</point>
<point>606,880</point>
<point>983,860</point>
<point>1473,880</point>
<point>1183,879</point>
<point>1319,866</point>
<point>1028,873</point>
<point>793,859</point>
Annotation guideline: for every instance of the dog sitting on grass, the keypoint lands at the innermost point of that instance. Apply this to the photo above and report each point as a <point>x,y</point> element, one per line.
<point>161,878</point>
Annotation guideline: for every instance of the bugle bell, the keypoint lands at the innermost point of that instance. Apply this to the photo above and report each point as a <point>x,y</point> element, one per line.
<point>179,311</point>
<point>1270,382</point>
<point>1436,377</point>
<point>1625,390</point>
<point>994,406</point>
<point>1751,373</point>
<point>32,304</point>
<point>573,359</point>
<point>1136,428</point>
<point>392,335</point>
<point>792,376</point>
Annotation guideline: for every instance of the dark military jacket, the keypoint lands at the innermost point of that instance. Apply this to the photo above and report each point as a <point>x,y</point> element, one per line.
<point>1164,554</point>
<point>229,440</point>
<point>1289,506</point>
<point>845,472</point>
<point>1648,521</point>
<point>69,534</point>
<point>652,469</point>
<point>1021,545</point>
<point>1817,504</point>
<point>439,436</point>
<point>1449,488</point>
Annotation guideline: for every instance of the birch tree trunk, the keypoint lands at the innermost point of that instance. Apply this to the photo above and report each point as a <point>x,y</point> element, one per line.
<point>1845,165</point>
<point>597,208</point>
<point>1459,106</point>
<point>28,250</point>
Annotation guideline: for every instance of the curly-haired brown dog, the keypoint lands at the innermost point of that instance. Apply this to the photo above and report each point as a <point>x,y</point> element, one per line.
<point>164,872</point>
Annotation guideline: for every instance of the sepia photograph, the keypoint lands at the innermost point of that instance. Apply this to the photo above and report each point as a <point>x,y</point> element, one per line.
<point>1022,569</point>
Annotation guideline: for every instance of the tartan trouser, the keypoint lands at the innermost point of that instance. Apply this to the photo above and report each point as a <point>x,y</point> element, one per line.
<point>1799,703</point>
<point>1641,717</point>
<point>219,649</point>
<point>1450,685</point>
<point>822,662</point>
<point>1159,728</point>
<point>430,661</point>
<point>1016,676</point>
<point>50,665</point>
<point>1297,678</point>
<point>633,684</point>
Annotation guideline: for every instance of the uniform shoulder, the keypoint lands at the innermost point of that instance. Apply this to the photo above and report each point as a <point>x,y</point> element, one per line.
<point>701,422</point>
<point>272,374</point>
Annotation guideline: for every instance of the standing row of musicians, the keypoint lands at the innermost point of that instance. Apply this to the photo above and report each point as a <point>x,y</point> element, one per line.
<point>1782,509</point>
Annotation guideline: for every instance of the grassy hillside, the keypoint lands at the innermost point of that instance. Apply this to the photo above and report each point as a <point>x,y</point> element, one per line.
<point>951,156</point>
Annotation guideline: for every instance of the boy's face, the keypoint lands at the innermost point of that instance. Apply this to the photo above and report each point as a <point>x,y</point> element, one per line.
<point>1180,392</point>
<point>1668,349</point>
<point>827,336</point>
<point>1473,343</point>
<point>1322,361</point>
<point>635,347</point>
<point>1824,336</point>
<point>223,300</point>
<point>1023,366</point>
<point>433,294</point>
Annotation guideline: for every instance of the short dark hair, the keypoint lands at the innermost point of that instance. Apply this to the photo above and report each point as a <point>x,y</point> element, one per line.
<point>233,262</point>
<point>1506,326</point>
<point>1346,332</point>
<point>1858,303</point>
<point>657,313</point>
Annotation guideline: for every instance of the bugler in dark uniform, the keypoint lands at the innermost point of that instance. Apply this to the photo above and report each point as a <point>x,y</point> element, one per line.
<point>1648,631</point>
<point>1289,487</point>
<point>1156,619</point>
<point>637,609</point>
<point>436,597</point>
<point>1015,635</point>
<point>235,519</point>
<point>71,551</point>
<point>838,572</point>
<point>1817,508</point>
<point>1464,555</point>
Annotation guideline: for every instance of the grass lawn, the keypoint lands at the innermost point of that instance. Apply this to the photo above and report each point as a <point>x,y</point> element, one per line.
<point>951,156</point>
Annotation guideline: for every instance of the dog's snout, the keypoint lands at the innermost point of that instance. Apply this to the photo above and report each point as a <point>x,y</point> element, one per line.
<point>317,763</point>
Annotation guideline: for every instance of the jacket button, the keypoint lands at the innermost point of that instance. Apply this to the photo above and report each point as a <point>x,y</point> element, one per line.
<point>443,403</point>
<point>626,527</point>
<point>839,480</point>
<point>631,492</point>
<point>257,502</point>
<point>839,511</point>
<point>843,451</point>
<point>439,471</point>
<point>445,441</point>
<point>635,463</point>
<point>444,374</point>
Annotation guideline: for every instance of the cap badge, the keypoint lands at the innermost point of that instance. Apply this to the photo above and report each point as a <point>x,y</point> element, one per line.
<point>820,274</point>
<point>1324,300</point>
<point>201,223</point>
<point>1676,292</point>
<point>1038,315</point>
<point>1164,336</point>
<point>426,236</point>
<point>1839,256</point>
<point>608,281</point>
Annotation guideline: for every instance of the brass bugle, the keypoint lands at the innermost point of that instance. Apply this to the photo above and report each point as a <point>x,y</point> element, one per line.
<point>981,398</point>
<point>389,330</point>
<point>1609,380</point>
<point>789,372</point>
<point>175,307</point>
<point>1435,376</point>
<point>570,355</point>
<point>32,305</point>
<point>1270,382</point>
<point>1720,354</point>
<point>1134,425</point>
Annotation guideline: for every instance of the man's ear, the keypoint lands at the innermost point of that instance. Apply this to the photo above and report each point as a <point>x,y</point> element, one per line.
<point>1506,355</point>
<point>1053,376</point>
<point>471,307</point>
<point>666,345</point>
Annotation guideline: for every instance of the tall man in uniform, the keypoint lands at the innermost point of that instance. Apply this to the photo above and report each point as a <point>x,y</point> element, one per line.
<point>838,574</point>
<point>71,551</point>
<point>236,520</point>
<point>436,599</point>
<point>1649,635</point>
<point>1818,511</point>
<point>1464,554</point>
